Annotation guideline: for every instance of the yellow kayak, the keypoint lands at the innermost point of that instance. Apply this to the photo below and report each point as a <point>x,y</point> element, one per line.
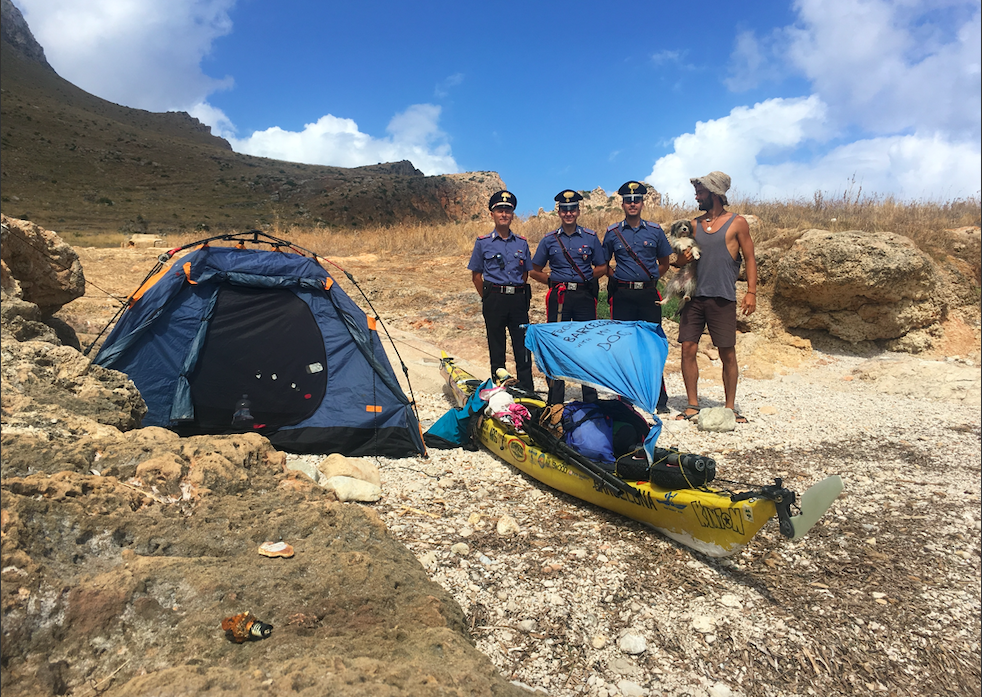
<point>707,519</point>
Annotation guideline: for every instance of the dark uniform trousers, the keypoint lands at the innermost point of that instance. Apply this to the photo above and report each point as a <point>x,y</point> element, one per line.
<point>579,305</point>
<point>630,304</point>
<point>508,311</point>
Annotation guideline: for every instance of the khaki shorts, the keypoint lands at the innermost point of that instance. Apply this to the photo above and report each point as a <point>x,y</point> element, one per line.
<point>719,314</point>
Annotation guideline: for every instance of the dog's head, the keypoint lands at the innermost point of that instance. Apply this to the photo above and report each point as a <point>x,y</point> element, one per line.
<point>680,228</point>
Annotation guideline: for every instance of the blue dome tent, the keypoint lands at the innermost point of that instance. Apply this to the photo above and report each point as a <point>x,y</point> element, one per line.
<point>229,339</point>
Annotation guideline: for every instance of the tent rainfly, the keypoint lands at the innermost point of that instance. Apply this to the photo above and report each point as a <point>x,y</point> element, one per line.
<point>229,340</point>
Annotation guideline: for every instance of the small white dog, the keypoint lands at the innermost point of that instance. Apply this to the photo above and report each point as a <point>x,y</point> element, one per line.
<point>683,283</point>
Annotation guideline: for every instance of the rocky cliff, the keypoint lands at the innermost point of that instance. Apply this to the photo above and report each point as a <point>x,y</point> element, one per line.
<point>15,32</point>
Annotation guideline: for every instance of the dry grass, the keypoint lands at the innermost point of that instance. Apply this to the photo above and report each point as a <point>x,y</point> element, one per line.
<point>779,222</point>
<point>920,221</point>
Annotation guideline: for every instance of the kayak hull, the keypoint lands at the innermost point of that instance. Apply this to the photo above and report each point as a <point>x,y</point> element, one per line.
<point>703,519</point>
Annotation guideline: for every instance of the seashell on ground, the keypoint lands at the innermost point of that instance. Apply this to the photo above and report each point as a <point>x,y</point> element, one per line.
<point>276,549</point>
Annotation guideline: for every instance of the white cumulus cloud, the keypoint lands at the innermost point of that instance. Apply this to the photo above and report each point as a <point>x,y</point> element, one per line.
<point>734,143</point>
<point>889,65</point>
<point>413,135</point>
<point>900,79</point>
<point>756,147</point>
<point>751,62</point>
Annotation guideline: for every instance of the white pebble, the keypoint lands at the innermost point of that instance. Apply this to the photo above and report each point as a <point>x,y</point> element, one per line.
<point>632,644</point>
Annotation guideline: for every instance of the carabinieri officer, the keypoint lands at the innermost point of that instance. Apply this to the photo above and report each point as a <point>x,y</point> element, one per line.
<point>499,267</point>
<point>640,253</point>
<point>576,260</point>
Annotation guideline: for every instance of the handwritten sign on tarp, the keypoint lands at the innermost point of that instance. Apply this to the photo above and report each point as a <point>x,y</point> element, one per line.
<point>626,358</point>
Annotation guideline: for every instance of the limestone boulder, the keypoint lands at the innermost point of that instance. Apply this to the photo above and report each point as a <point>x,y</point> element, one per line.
<point>338,465</point>
<point>351,489</point>
<point>717,420</point>
<point>770,251</point>
<point>24,321</point>
<point>37,266</point>
<point>858,286</point>
<point>44,383</point>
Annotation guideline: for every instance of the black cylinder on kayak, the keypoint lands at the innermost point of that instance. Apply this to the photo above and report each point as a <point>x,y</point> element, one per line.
<point>699,463</point>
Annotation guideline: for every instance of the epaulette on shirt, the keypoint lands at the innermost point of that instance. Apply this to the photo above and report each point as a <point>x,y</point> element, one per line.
<point>484,237</point>
<point>615,226</point>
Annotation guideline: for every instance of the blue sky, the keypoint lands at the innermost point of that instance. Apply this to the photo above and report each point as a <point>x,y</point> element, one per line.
<point>789,98</point>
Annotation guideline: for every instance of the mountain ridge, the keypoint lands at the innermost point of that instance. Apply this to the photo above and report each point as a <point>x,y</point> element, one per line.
<point>78,163</point>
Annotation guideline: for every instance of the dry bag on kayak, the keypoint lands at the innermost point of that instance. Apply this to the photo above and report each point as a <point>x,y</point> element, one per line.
<point>603,430</point>
<point>670,470</point>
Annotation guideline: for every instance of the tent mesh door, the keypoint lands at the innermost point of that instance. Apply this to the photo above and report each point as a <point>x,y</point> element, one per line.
<point>263,346</point>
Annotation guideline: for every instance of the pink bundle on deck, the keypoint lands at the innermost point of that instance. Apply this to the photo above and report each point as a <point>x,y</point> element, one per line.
<point>514,414</point>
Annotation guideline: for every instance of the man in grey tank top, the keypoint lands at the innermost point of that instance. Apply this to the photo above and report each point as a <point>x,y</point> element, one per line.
<point>724,240</point>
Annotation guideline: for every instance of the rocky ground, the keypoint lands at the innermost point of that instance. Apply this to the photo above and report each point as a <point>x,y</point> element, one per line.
<point>123,552</point>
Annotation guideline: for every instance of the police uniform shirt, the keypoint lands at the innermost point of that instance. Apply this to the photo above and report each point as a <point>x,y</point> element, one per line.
<point>502,261</point>
<point>584,249</point>
<point>648,242</point>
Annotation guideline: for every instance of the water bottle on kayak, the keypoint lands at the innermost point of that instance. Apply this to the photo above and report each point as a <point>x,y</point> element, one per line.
<point>242,415</point>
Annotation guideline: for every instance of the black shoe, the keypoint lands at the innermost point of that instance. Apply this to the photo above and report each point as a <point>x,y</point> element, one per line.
<point>662,410</point>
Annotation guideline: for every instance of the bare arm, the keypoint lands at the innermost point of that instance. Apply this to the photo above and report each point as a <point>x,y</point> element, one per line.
<point>478,278</point>
<point>599,271</point>
<point>746,244</point>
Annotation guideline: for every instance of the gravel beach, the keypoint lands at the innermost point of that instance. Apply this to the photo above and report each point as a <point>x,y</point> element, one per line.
<point>882,597</point>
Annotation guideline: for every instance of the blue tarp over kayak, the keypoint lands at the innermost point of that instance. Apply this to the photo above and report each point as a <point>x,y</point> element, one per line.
<point>626,358</point>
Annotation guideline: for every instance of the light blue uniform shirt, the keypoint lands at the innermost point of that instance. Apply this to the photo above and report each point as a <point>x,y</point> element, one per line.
<point>648,242</point>
<point>584,249</point>
<point>502,261</point>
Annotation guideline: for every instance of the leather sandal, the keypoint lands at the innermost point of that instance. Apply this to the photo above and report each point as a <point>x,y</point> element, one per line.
<point>688,417</point>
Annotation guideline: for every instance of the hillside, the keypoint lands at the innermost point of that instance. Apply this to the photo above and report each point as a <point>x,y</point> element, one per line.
<point>79,164</point>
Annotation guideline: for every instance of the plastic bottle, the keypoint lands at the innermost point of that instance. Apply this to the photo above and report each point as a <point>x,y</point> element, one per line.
<point>242,416</point>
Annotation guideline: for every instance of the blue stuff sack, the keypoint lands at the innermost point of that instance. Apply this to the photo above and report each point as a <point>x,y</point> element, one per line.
<point>589,431</point>
<point>603,430</point>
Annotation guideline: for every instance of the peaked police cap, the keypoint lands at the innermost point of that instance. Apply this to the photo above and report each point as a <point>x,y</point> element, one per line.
<point>568,197</point>
<point>632,188</point>
<point>503,198</point>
